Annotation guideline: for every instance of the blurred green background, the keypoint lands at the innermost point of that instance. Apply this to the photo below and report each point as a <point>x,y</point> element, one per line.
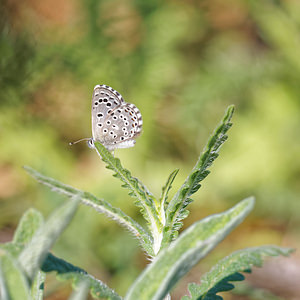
<point>182,63</point>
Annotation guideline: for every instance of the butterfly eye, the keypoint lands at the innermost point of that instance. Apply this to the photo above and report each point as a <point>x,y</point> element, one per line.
<point>99,115</point>
<point>108,122</point>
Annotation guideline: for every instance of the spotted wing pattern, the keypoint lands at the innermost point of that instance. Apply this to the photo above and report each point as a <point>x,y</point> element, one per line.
<point>115,123</point>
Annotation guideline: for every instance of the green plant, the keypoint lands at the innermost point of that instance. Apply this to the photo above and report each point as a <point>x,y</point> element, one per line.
<point>26,259</point>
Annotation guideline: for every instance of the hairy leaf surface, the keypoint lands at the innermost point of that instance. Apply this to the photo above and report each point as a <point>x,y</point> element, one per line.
<point>81,293</point>
<point>166,188</point>
<point>216,280</point>
<point>192,245</point>
<point>13,282</point>
<point>34,253</point>
<point>30,222</point>
<point>67,271</point>
<point>144,199</point>
<point>99,205</point>
<point>176,210</point>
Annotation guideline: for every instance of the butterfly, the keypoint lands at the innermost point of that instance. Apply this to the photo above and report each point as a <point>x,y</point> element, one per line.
<point>115,123</point>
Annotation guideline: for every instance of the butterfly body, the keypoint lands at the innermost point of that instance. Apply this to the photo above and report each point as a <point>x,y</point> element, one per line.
<point>115,123</point>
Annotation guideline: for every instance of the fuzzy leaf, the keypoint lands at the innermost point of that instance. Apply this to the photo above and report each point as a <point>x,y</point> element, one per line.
<point>13,283</point>
<point>66,271</point>
<point>13,249</point>
<point>192,245</point>
<point>216,280</point>
<point>164,197</point>
<point>30,222</point>
<point>222,286</point>
<point>34,253</point>
<point>99,205</point>
<point>167,187</point>
<point>81,293</point>
<point>37,288</point>
<point>176,210</point>
<point>144,199</point>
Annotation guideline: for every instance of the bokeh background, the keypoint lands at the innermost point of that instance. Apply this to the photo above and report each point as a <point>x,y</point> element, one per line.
<point>182,63</point>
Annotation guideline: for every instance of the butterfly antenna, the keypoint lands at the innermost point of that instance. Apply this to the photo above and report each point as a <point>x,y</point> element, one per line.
<point>73,143</point>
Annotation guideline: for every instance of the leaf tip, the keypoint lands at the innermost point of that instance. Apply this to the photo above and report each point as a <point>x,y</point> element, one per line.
<point>26,168</point>
<point>250,202</point>
<point>29,170</point>
<point>229,112</point>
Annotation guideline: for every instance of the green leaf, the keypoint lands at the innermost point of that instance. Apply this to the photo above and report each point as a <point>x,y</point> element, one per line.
<point>13,283</point>
<point>167,187</point>
<point>67,271</point>
<point>144,199</point>
<point>82,292</point>
<point>192,245</point>
<point>13,248</point>
<point>222,286</point>
<point>30,222</point>
<point>34,253</point>
<point>99,205</point>
<point>239,261</point>
<point>37,288</point>
<point>176,210</point>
